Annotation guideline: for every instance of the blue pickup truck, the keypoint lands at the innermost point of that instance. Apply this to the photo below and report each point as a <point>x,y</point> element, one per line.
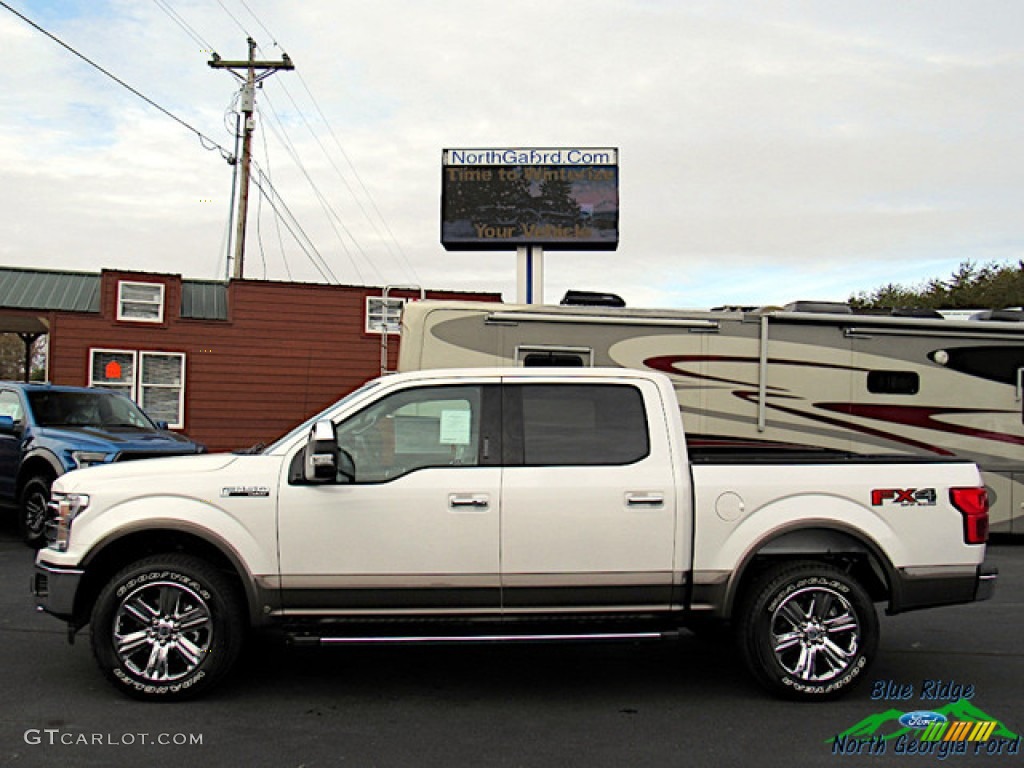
<point>48,430</point>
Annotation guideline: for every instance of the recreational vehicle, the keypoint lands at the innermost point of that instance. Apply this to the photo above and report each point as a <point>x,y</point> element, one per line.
<point>811,376</point>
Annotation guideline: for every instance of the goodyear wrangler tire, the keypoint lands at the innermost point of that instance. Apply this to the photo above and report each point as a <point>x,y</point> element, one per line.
<point>167,628</point>
<point>807,631</point>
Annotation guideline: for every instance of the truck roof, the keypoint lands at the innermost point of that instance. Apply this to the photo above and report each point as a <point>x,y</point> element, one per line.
<point>521,373</point>
<point>39,386</point>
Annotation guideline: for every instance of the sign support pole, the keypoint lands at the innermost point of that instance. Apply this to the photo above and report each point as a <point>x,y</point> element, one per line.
<point>530,274</point>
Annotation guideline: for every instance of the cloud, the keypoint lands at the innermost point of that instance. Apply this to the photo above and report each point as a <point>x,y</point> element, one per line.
<point>768,151</point>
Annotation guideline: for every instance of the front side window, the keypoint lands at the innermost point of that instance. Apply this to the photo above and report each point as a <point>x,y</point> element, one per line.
<point>10,405</point>
<point>414,429</point>
<point>593,424</point>
<point>140,302</point>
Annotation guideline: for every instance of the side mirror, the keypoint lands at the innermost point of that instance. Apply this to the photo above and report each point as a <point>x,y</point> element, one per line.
<point>321,458</point>
<point>7,425</point>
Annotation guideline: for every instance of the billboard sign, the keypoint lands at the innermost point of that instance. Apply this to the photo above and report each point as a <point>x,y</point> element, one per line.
<point>499,199</point>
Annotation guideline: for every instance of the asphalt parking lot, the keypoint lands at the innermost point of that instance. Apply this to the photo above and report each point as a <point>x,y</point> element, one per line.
<point>674,704</point>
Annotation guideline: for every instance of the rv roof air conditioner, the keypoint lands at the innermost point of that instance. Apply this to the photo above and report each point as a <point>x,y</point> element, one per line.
<point>919,312</point>
<point>820,307</point>
<point>1001,315</point>
<point>591,299</point>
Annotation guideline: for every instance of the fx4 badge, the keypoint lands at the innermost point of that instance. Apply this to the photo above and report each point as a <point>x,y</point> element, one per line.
<point>903,497</point>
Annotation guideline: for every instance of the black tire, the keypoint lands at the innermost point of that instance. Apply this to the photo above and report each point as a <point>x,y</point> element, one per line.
<point>807,631</point>
<point>33,510</point>
<point>167,628</point>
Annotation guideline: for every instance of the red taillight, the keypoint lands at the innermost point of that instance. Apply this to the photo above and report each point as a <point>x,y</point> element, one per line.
<point>972,503</point>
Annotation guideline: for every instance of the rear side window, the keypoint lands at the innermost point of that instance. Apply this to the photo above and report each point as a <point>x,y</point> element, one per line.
<point>570,424</point>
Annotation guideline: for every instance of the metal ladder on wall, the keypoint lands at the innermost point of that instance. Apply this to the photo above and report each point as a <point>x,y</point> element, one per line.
<point>384,330</point>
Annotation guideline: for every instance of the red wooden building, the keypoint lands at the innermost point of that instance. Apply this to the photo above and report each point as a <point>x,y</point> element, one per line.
<point>229,364</point>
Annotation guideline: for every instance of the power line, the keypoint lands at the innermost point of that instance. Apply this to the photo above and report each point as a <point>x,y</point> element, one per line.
<point>332,215</point>
<point>351,165</point>
<point>260,179</point>
<point>401,259</point>
<point>178,19</point>
<point>203,139</point>
<point>234,18</point>
<point>262,25</point>
<point>277,219</point>
<point>337,170</point>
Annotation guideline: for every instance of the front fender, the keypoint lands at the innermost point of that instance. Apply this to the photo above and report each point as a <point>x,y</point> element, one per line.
<point>250,539</point>
<point>35,458</point>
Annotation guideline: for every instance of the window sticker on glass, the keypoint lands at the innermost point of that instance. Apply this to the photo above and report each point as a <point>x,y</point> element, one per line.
<point>455,427</point>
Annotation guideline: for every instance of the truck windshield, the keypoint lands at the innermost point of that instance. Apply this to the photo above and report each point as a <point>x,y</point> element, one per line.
<point>308,423</point>
<point>54,408</point>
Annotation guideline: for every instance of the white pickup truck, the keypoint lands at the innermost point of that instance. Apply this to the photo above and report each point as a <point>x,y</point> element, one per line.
<point>506,504</point>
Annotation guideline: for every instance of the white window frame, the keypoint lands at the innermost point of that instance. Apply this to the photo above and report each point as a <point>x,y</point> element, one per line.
<point>180,386</point>
<point>136,386</point>
<point>377,321</point>
<point>104,385</point>
<point>161,290</point>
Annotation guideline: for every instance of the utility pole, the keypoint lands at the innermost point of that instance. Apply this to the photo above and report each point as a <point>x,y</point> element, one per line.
<point>250,79</point>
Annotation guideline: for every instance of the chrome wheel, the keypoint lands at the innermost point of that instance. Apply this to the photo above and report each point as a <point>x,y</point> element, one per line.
<point>807,630</point>
<point>815,634</point>
<point>163,631</point>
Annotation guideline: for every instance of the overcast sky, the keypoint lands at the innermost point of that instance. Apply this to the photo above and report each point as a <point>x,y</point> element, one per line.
<point>768,151</point>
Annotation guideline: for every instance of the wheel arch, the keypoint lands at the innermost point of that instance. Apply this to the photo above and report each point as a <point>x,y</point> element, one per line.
<point>126,547</point>
<point>37,463</point>
<point>833,544</point>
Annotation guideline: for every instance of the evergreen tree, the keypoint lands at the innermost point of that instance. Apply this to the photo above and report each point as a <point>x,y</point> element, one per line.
<point>989,286</point>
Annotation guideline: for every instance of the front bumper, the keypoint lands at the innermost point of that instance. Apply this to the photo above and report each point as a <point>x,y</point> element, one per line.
<point>55,589</point>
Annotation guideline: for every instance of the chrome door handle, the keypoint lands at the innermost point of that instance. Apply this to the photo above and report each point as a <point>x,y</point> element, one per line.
<point>474,501</point>
<point>645,499</point>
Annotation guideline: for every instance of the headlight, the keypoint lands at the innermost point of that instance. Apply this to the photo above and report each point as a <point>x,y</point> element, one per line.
<point>67,507</point>
<point>88,458</point>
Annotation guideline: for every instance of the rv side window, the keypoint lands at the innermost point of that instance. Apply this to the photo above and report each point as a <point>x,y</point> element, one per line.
<point>551,356</point>
<point>893,382</point>
<point>552,360</point>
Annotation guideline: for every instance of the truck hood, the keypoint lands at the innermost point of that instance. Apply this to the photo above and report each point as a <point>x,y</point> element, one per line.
<point>117,439</point>
<point>80,480</point>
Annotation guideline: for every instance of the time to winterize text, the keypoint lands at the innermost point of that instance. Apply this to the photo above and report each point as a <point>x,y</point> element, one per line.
<point>530,173</point>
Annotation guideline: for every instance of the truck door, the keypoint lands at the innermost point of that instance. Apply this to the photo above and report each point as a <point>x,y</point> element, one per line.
<point>10,441</point>
<point>588,498</point>
<point>413,524</point>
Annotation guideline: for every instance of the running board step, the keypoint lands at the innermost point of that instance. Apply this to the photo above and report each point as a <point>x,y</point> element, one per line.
<point>306,640</point>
